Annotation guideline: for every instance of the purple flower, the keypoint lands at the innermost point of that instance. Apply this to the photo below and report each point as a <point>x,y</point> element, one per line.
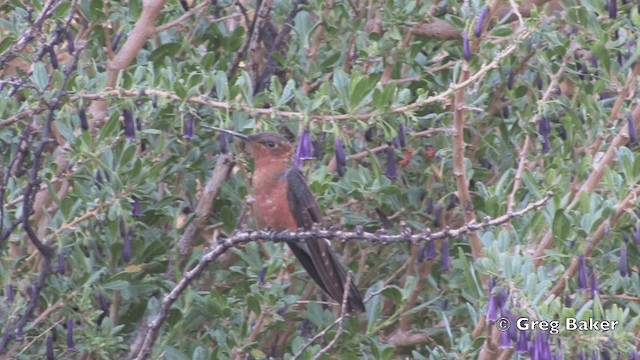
<point>567,300</point>
<point>523,346</point>
<point>437,217</point>
<point>430,250</point>
<point>304,151</point>
<point>49,348</point>
<point>582,355</point>
<point>115,42</point>
<point>402,136</point>
<point>633,355</point>
<point>392,171</point>
<point>82,114</point>
<point>481,18</point>
<point>613,9</point>
<point>262,274</point>
<point>505,108</point>
<point>595,287</point>
<point>129,125</point>
<point>98,179</point>
<point>137,208</point>
<point>187,131</point>
<point>341,159</point>
<point>538,81</point>
<point>429,208</point>
<point>386,223</point>
<point>10,293</point>
<point>70,344</point>
<point>466,49</point>
<point>445,262</point>
<point>544,126</point>
<point>633,134</point>
<point>511,80</point>
<point>582,273</point>
<point>636,234</point>
<point>624,266</point>
<point>505,340</point>
<point>492,308</point>
<point>224,144</point>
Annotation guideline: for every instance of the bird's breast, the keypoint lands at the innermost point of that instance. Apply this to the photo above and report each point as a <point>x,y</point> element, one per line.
<point>272,203</point>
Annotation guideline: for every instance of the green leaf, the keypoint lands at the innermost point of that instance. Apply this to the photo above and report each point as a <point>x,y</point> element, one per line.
<point>40,76</point>
<point>6,43</point>
<point>165,50</point>
<point>561,225</point>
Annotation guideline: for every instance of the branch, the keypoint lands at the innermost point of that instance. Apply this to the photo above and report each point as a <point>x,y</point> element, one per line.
<point>210,192</point>
<point>151,332</point>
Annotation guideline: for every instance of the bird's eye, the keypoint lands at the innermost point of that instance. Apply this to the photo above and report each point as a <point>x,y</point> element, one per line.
<point>271,144</point>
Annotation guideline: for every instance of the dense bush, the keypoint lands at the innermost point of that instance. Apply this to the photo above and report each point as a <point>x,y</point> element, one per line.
<point>452,115</point>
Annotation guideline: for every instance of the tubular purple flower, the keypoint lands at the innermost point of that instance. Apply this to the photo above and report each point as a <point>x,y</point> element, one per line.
<point>224,143</point>
<point>480,23</point>
<point>262,274</point>
<point>582,355</point>
<point>10,294</point>
<point>341,159</point>
<point>437,217</point>
<point>511,80</point>
<point>544,126</point>
<point>392,171</point>
<point>82,114</point>
<point>430,250</point>
<point>137,208</point>
<point>70,344</point>
<point>49,348</point>
<point>582,273</point>
<point>505,108</point>
<point>304,151</point>
<point>115,42</point>
<point>445,262</point>
<point>466,48</point>
<point>633,134</point>
<point>523,346</point>
<point>386,223</point>
<point>492,308</point>
<point>505,341</point>
<point>624,266</point>
<point>429,208</point>
<point>634,355</point>
<point>613,9</point>
<point>129,125</point>
<point>402,136</point>
<point>538,81</point>
<point>187,132</point>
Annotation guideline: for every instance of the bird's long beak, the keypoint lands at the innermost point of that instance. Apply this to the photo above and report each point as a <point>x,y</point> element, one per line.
<point>236,134</point>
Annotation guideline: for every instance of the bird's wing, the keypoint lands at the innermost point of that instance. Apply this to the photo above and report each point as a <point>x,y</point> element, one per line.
<point>317,255</point>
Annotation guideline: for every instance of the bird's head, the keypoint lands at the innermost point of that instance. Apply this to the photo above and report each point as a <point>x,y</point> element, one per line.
<point>264,147</point>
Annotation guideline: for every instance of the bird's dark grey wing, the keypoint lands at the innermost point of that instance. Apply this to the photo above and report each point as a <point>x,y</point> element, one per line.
<point>317,255</point>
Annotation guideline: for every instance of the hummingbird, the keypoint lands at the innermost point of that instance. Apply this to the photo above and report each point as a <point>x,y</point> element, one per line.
<point>283,201</point>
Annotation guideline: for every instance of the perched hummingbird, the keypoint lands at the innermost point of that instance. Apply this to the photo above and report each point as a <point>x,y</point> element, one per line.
<point>284,202</point>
